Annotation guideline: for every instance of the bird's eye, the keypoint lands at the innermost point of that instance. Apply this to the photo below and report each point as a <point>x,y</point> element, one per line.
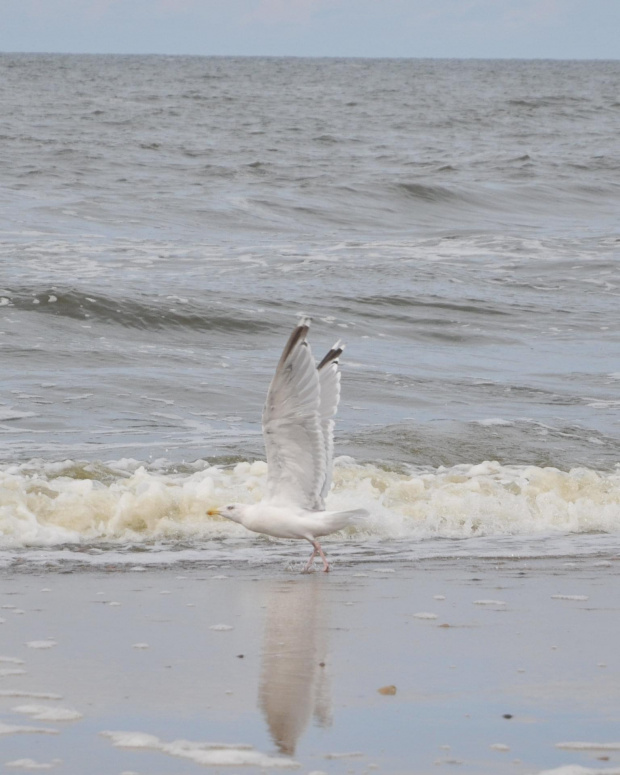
<point>229,508</point>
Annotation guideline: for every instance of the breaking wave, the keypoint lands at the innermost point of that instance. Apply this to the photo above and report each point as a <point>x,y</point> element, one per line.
<point>123,502</point>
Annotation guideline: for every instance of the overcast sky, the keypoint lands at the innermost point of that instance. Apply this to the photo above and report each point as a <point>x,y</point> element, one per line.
<point>561,29</point>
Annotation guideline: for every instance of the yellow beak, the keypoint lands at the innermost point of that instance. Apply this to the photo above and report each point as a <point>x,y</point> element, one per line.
<point>213,512</point>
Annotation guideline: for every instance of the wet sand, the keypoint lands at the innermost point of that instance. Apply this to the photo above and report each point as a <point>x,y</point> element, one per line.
<point>496,666</point>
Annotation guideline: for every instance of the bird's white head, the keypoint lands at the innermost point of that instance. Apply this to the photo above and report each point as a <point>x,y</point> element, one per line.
<point>234,512</point>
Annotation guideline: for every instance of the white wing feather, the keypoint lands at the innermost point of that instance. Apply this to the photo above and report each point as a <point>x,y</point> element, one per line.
<point>294,443</point>
<point>329,380</point>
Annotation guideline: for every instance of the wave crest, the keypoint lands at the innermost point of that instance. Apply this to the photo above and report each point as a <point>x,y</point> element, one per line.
<point>124,502</point>
<point>150,314</point>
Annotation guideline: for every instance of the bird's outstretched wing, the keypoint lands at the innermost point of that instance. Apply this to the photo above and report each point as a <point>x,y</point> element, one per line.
<point>292,427</point>
<point>329,380</point>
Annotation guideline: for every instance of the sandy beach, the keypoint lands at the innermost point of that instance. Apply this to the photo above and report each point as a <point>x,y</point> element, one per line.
<point>475,666</point>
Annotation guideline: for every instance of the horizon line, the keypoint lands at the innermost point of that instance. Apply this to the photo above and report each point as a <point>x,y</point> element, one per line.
<point>311,56</point>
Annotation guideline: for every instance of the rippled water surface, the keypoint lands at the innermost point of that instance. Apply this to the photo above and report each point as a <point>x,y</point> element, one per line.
<point>163,222</point>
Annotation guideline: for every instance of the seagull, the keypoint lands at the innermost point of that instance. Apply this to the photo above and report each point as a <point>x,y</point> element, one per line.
<point>298,429</point>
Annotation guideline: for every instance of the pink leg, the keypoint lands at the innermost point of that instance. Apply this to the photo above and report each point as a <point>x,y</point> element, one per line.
<point>310,561</point>
<point>317,548</point>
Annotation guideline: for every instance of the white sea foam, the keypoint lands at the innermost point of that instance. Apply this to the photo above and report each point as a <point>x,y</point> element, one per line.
<point>47,713</point>
<point>30,695</point>
<point>578,746</point>
<point>208,754</point>
<point>31,764</point>
<point>47,504</point>
<point>489,602</point>
<point>15,729</point>
<point>7,413</point>
<point>569,597</point>
<point>577,769</point>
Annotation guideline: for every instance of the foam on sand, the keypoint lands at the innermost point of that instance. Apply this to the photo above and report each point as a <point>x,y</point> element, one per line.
<point>46,713</point>
<point>14,729</point>
<point>577,769</point>
<point>569,597</point>
<point>209,754</point>
<point>47,504</point>
<point>30,695</point>
<point>490,602</point>
<point>578,746</point>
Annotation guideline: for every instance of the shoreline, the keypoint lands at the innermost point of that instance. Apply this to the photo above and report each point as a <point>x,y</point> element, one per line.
<point>491,663</point>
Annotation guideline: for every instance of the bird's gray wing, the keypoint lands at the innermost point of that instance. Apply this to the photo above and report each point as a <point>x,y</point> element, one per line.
<point>292,430</point>
<point>329,380</point>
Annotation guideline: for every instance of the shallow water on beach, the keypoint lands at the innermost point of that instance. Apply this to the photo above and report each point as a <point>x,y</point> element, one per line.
<point>165,220</point>
<point>486,666</point>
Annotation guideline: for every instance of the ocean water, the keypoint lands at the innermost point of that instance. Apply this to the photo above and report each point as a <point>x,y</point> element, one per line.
<point>165,220</point>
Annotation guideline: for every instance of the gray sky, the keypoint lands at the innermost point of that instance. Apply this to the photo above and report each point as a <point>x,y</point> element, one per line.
<point>562,29</point>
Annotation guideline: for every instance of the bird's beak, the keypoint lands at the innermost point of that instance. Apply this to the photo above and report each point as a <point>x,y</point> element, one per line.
<point>213,512</point>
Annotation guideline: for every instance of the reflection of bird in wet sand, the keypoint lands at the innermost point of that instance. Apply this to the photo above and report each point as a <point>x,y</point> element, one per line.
<point>298,429</point>
<point>293,683</point>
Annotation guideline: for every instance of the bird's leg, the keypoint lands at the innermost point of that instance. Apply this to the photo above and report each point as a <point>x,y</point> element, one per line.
<point>311,560</point>
<point>317,548</point>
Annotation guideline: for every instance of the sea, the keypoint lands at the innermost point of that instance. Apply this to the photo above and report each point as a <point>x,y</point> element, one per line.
<point>164,223</point>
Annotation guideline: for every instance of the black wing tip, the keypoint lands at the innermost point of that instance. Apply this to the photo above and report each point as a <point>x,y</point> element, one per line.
<point>332,356</point>
<point>299,335</point>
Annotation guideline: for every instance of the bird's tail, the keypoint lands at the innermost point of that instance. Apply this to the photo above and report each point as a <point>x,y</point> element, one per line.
<point>341,519</point>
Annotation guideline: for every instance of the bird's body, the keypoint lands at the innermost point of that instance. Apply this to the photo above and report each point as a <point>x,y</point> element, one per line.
<point>298,430</point>
<point>288,521</point>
